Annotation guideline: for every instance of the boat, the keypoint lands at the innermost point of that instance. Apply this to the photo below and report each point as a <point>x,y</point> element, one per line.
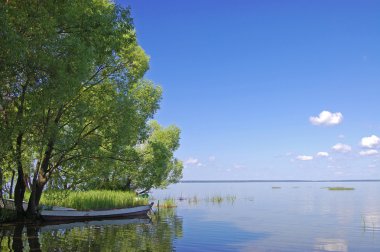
<point>69,214</point>
<point>72,214</point>
<point>10,204</point>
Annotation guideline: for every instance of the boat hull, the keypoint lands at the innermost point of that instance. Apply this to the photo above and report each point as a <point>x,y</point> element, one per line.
<point>73,215</point>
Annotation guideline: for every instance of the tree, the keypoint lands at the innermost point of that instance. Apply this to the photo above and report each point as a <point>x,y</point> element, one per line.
<point>72,94</point>
<point>147,165</point>
<point>158,167</point>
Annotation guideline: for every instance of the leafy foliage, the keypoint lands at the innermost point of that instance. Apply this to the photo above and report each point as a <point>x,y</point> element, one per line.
<point>74,107</point>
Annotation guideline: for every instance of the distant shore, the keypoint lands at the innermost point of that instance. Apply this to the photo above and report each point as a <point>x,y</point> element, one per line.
<point>258,181</point>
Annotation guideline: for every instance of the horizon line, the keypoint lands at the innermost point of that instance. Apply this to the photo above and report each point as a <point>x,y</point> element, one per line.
<point>278,180</point>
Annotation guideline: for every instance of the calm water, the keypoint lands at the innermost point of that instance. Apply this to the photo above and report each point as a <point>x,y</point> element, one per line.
<point>270,216</point>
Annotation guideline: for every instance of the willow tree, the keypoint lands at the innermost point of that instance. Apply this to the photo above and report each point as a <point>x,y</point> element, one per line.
<point>140,168</point>
<point>72,92</point>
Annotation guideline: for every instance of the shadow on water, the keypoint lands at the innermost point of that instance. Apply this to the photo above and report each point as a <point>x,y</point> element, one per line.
<point>155,234</point>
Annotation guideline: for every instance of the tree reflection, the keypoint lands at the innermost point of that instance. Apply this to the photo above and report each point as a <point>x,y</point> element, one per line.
<point>12,238</point>
<point>156,234</point>
<point>18,244</point>
<point>33,238</point>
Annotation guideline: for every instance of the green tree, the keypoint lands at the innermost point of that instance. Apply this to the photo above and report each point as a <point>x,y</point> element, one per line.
<point>147,165</point>
<point>158,167</point>
<point>72,94</point>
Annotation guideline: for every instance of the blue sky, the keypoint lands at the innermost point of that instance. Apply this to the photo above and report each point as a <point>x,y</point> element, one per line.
<point>243,79</point>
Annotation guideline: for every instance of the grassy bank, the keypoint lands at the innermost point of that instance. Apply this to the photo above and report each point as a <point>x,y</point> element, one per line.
<point>92,200</point>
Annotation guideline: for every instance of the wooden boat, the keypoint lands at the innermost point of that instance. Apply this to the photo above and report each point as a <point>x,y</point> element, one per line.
<point>72,214</point>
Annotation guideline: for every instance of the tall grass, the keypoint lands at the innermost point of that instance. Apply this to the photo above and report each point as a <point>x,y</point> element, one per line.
<point>92,200</point>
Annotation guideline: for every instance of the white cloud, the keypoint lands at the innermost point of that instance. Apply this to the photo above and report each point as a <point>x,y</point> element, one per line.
<point>304,158</point>
<point>211,158</point>
<point>339,147</point>
<point>370,142</point>
<point>322,154</point>
<point>238,166</point>
<point>327,118</point>
<point>191,161</point>
<point>368,152</point>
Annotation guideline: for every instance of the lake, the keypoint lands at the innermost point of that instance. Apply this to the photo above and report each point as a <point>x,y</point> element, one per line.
<point>249,216</point>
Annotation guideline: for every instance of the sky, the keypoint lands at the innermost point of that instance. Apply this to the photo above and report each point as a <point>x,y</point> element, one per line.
<point>267,89</point>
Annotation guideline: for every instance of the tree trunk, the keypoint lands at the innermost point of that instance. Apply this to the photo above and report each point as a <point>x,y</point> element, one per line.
<point>31,212</point>
<point>19,196</point>
<point>11,187</point>
<point>39,181</point>
<point>144,191</point>
<point>35,197</point>
<point>1,183</point>
<point>20,185</point>
<point>127,186</point>
<point>40,188</point>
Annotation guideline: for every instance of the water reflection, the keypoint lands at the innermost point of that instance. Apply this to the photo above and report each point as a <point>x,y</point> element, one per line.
<point>371,221</point>
<point>155,234</point>
<point>33,238</point>
<point>336,245</point>
<point>306,219</point>
<point>258,219</point>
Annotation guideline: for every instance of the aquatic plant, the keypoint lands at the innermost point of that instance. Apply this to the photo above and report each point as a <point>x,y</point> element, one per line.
<point>194,200</point>
<point>340,188</point>
<point>167,203</point>
<point>231,198</point>
<point>92,200</point>
<point>368,224</point>
<point>181,198</point>
<point>215,199</point>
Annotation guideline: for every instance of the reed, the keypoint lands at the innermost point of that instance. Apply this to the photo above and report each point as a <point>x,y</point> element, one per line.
<point>231,198</point>
<point>364,223</point>
<point>340,188</point>
<point>92,200</point>
<point>194,200</point>
<point>215,199</point>
<point>167,203</point>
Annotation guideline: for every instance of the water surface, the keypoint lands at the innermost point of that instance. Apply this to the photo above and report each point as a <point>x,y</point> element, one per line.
<point>270,216</point>
<point>275,216</point>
